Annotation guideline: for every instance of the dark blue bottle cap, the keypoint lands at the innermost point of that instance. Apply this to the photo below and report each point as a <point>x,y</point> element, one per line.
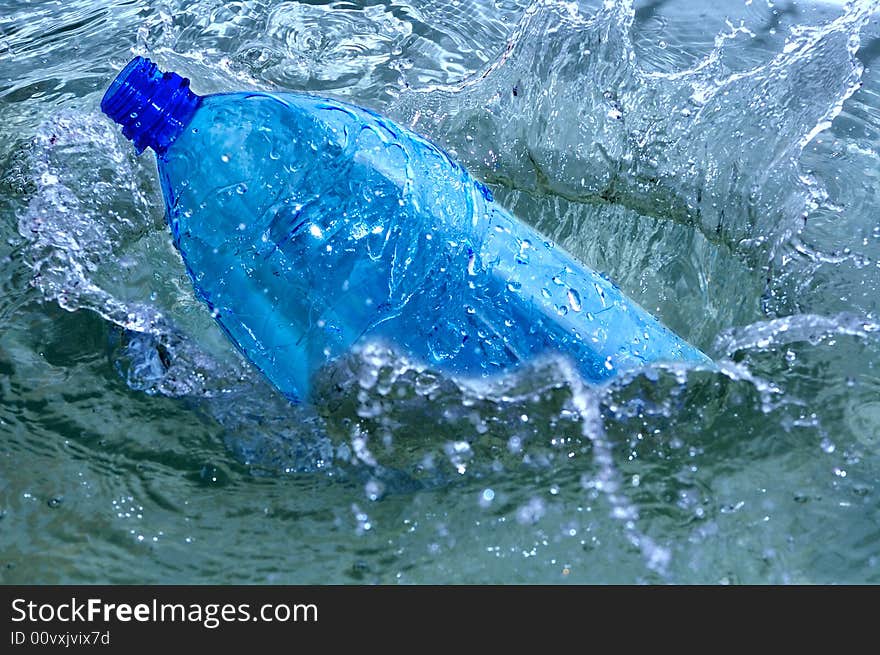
<point>153,107</point>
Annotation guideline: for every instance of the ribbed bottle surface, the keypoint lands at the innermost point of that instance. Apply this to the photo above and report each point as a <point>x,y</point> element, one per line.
<point>153,107</point>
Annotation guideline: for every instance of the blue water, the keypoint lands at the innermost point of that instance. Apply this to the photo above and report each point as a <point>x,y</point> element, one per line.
<point>718,163</point>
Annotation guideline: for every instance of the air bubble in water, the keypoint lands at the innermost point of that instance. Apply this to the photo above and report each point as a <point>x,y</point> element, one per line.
<point>532,512</point>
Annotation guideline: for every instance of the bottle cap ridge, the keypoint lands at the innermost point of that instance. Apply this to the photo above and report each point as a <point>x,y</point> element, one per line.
<point>153,107</point>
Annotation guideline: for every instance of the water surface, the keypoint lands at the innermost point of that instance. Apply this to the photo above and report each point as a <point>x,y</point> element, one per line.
<point>720,164</point>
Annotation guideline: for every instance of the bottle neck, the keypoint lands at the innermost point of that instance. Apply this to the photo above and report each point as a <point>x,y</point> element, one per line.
<point>153,107</point>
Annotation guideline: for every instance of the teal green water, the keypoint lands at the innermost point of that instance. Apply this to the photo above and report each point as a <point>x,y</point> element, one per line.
<point>720,165</point>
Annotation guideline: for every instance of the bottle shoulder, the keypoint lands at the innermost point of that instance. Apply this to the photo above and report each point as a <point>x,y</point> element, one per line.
<point>279,138</point>
<point>322,120</point>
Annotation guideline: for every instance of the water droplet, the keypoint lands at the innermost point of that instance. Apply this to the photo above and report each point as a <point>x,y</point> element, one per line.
<point>374,490</point>
<point>574,300</point>
<point>472,261</point>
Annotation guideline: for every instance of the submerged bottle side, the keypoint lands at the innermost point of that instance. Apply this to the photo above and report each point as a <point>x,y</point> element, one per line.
<point>311,227</point>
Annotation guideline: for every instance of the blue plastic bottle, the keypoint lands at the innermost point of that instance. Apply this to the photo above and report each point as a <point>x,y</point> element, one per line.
<point>310,226</point>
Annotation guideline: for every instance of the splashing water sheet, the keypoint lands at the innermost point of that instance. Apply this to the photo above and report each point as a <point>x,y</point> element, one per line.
<point>718,162</point>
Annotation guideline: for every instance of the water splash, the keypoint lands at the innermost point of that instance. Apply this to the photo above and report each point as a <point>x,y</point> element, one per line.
<point>790,329</point>
<point>574,114</point>
<point>608,478</point>
<point>571,114</point>
<point>73,222</point>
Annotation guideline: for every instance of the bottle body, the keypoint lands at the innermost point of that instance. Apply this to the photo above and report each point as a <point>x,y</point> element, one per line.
<point>311,227</point>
